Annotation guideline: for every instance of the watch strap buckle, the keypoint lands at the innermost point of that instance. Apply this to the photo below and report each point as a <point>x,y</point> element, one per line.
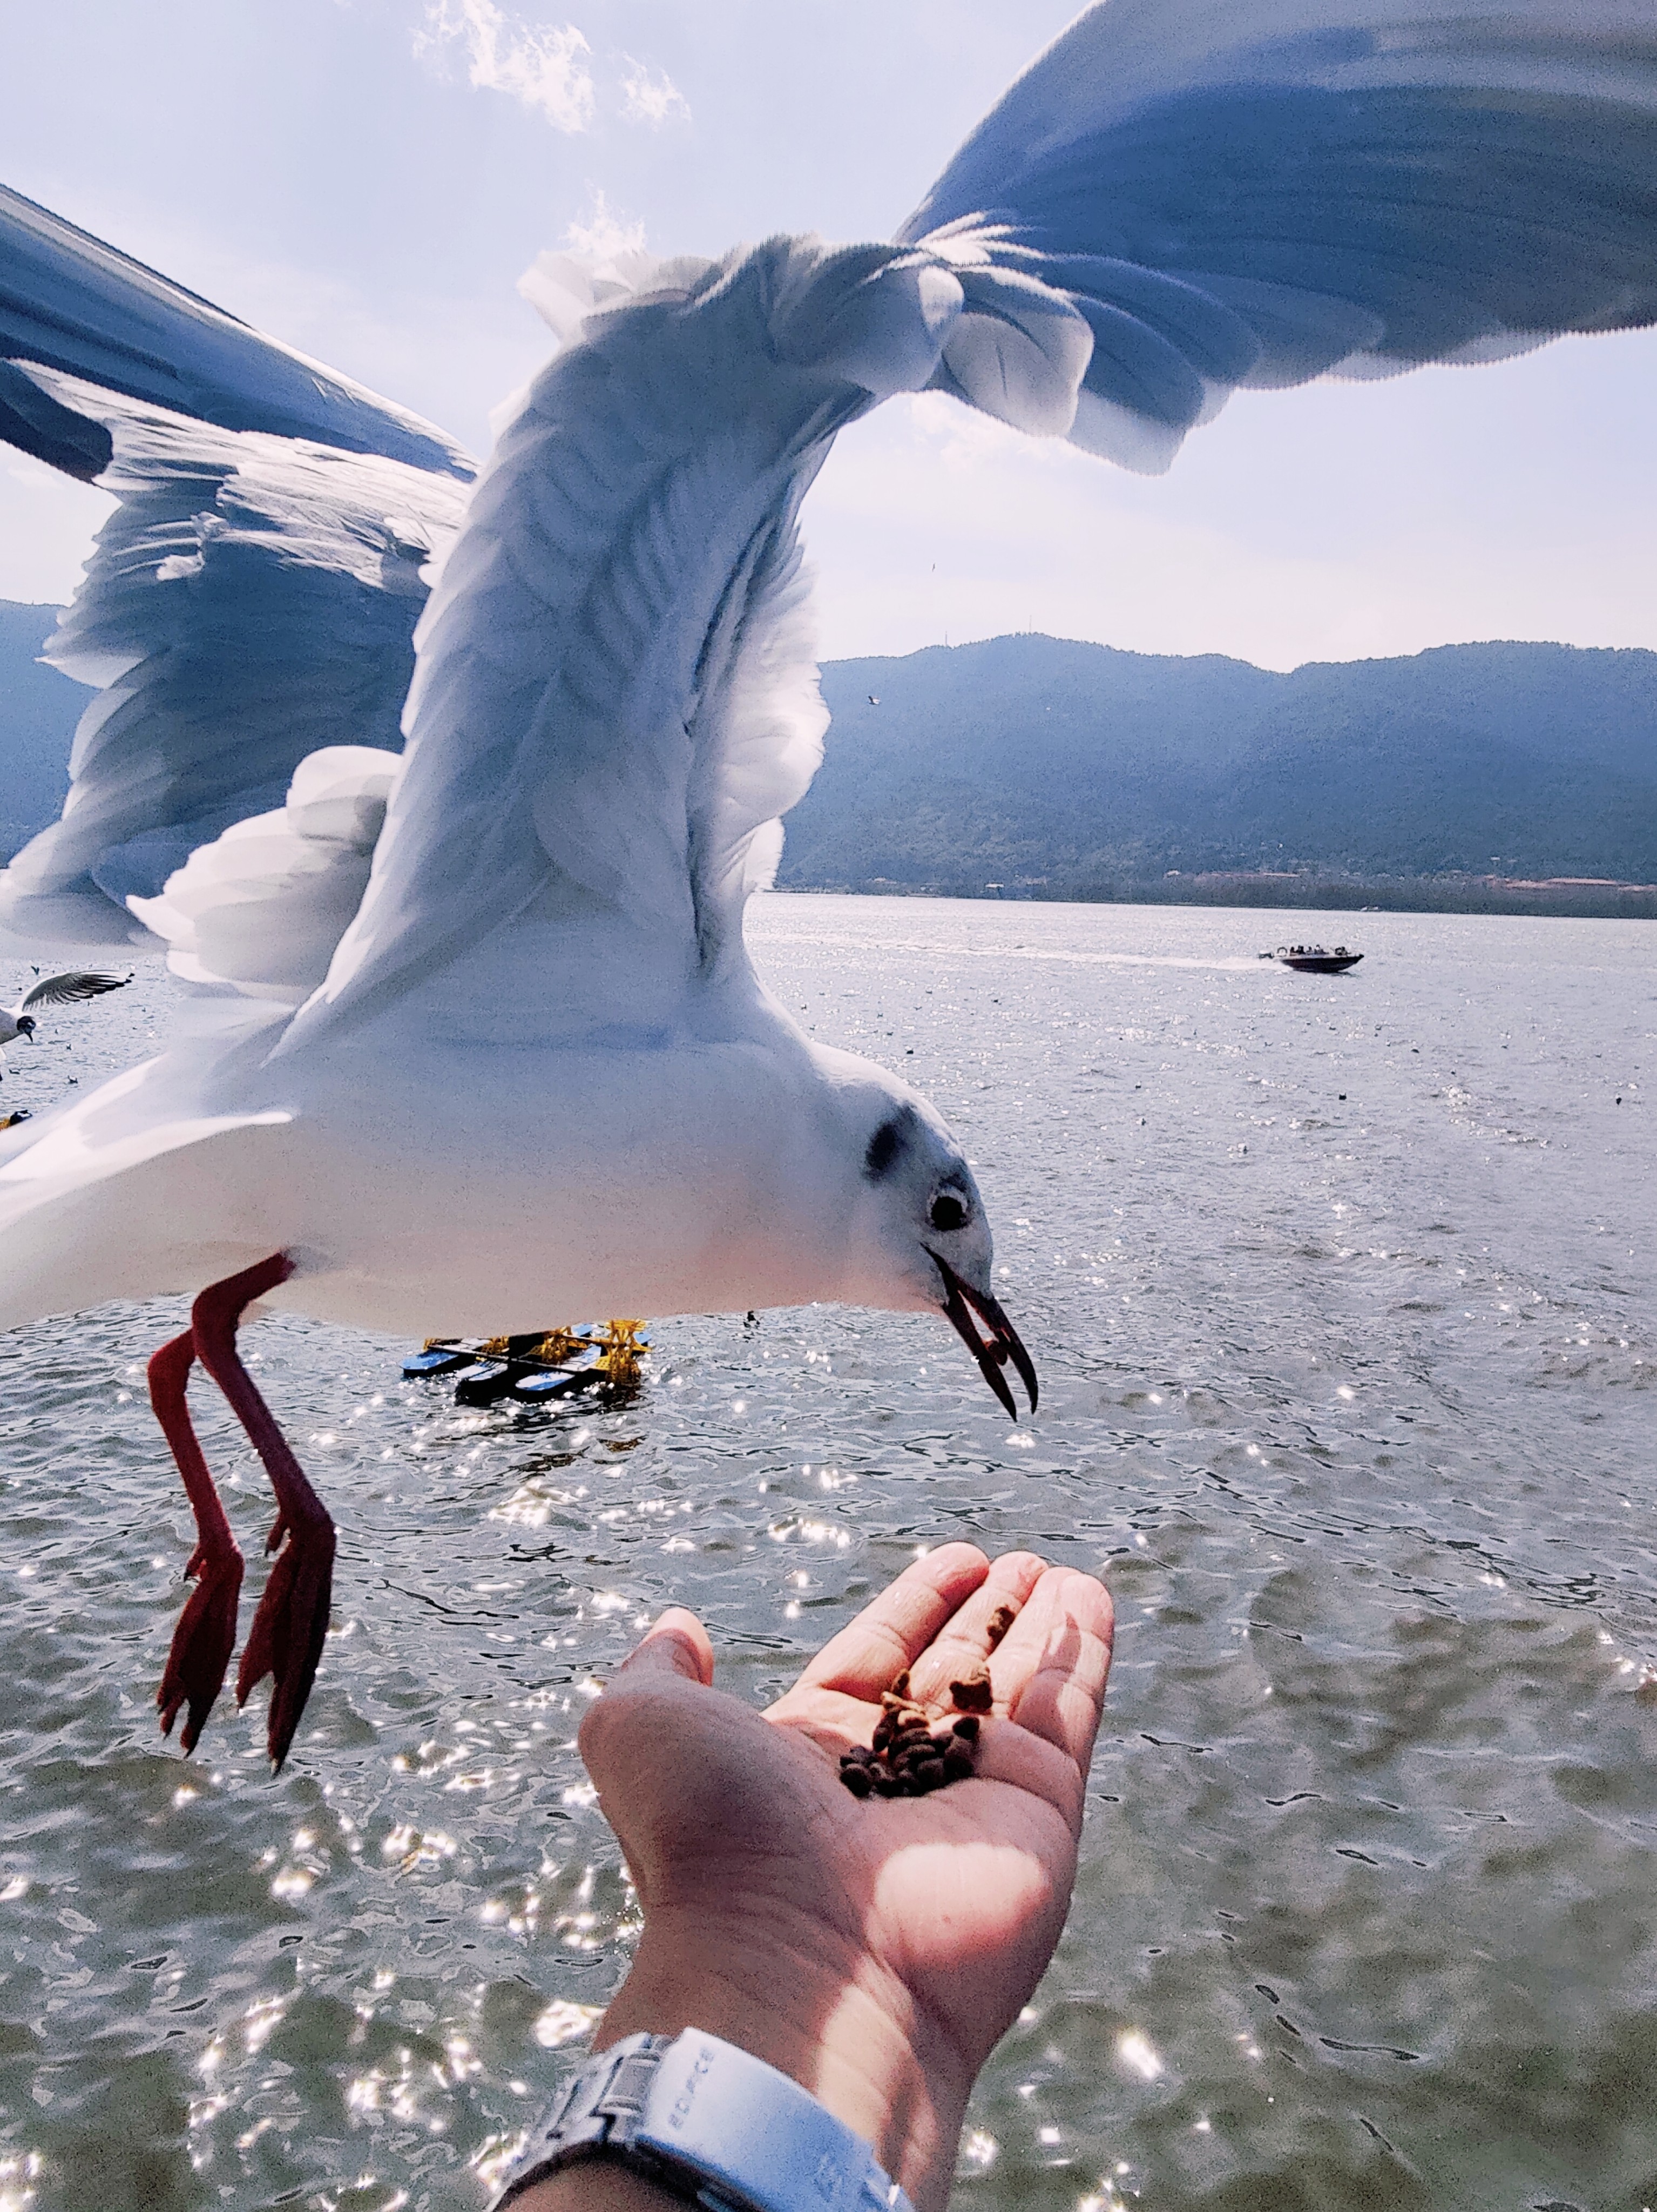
<point>601,2107</point>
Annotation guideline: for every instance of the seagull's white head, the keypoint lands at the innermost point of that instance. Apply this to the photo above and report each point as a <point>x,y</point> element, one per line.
<point>920,1234</point>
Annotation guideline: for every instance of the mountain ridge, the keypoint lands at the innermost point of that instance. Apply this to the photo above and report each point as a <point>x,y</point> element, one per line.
<point>1053,768</point>
<point>1078,770</point>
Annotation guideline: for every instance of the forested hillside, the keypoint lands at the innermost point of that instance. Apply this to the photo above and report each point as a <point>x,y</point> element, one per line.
<point>1033,757</point>
<point>1042,767</point>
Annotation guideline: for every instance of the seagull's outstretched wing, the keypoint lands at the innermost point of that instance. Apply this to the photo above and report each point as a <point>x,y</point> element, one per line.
<point>253,597</point>
<point>1227,192</point>
<point>68,301</point>
<point>616,695</point>
<point>75,983</point>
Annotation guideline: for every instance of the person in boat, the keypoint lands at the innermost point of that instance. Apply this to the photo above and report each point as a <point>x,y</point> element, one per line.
<point>871,1950</point>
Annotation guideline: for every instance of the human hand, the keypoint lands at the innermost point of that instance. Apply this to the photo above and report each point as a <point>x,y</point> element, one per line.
<point>875,1949</point>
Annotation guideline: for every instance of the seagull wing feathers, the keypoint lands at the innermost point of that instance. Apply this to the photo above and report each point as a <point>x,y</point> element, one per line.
<point>252,597</point>
<point>614,700</point>
<point>75,983</point>
<point>616,695</point>
<point>70,302</point>
<point>1257,195</point>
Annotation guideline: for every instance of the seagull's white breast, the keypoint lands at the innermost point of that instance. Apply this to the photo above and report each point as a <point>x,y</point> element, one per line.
<point>491,1187</point>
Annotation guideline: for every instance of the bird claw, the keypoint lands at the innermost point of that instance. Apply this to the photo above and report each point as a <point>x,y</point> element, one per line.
<point>199,1657</point>
<point>290,1628</point>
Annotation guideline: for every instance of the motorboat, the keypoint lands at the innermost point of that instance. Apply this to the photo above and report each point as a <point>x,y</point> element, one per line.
<point>1314,959</point>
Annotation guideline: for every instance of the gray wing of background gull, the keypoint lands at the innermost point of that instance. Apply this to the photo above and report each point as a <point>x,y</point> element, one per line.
<point>76,983</point>
<point>1180,197</point>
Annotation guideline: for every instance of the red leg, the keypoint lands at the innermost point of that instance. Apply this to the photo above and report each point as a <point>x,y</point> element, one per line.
<point>286,1636</point>
<point>206,1633</point>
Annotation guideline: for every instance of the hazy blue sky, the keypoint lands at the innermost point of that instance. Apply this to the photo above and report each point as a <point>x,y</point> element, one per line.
<point>367,179</point>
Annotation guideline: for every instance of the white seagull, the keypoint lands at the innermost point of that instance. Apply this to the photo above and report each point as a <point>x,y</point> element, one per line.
<point>65,990</point>
<point>428,981</point>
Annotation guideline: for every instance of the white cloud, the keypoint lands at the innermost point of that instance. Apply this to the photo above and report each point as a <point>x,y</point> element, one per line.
<point>543,68</point>
<point>652,99</point>
<point>604,234</point>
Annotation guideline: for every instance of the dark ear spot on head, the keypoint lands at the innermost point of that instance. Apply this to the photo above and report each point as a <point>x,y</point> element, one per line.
<point>886,1143</point>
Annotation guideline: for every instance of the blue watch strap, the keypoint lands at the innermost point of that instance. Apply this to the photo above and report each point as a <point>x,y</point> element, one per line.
<point>710,2123</point>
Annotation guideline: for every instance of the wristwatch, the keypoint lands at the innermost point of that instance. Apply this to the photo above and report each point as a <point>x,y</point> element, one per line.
<point>709,2124</point>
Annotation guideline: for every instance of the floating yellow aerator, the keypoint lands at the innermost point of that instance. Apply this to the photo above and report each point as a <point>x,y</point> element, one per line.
<point>619,1345</point>
<point>622,1350</point>
<point>537,1366</point>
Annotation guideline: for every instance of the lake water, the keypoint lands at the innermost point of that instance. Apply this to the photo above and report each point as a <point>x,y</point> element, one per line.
<point>1342,1293</point>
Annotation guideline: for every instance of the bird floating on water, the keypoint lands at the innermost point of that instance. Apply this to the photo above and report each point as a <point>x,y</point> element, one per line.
<point>75,984</point>
<point>416,970</point>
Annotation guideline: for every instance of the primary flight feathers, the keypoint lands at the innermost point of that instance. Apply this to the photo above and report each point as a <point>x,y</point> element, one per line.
<point>69,301</point>
<point>251,598</point>
<point>1259,194</point>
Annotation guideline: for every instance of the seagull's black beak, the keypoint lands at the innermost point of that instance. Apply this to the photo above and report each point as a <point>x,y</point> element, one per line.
<point>992,1352</point>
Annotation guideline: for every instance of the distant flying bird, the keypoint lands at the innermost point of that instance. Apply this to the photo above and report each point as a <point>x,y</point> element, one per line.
<point>56,991</point>
<point>873,702</point>
<point>428,973</point>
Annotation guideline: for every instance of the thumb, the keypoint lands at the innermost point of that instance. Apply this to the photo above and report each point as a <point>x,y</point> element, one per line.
<point>676,1643</point>
<point>621,1738</point>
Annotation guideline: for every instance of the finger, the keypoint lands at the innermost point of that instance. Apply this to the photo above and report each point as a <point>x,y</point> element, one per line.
<point>1052,1668</point>
<point>966,1642</point>
<point>676,1643</point>
<point>892,1631</point>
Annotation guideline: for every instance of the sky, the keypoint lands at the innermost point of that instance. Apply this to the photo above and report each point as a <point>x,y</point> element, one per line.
<point>367,180</point>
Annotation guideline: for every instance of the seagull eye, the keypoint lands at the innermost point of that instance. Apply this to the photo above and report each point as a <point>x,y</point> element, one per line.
<point>949,1211</point>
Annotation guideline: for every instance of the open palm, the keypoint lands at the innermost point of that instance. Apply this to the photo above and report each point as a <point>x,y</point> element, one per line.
<point>856,1942</point>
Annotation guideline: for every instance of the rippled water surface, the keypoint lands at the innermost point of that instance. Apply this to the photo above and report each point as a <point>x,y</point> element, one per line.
<point>1342,1293</point>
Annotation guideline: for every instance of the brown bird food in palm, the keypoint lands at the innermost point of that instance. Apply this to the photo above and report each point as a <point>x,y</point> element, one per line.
<point>999,1622</point>
<point>974,1694</point>
<point>911,1755</point>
